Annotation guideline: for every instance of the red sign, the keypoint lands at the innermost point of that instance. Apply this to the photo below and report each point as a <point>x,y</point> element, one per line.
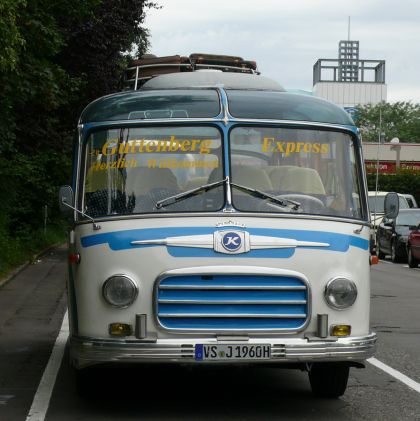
<point>384,167</point>
<point>390,167</point>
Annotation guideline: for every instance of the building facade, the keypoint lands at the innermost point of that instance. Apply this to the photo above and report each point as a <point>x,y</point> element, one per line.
<point>390,157</point>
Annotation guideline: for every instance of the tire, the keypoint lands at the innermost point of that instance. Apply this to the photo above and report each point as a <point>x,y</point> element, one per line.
<point>329,380</point>
<point>395,258</point>
<point>381,255</point>
<point>412,262</point>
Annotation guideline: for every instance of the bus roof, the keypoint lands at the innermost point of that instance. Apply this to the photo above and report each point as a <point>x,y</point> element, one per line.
<point>194,95</point>
<point>215,78</point>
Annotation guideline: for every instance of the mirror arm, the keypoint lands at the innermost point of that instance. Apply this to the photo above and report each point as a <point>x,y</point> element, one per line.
<point>96,227</point>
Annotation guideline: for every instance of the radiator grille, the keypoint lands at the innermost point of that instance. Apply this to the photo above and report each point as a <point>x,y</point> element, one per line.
<point>232,302</point>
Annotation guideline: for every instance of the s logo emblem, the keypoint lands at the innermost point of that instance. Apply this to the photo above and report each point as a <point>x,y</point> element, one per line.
<point>231,241</point>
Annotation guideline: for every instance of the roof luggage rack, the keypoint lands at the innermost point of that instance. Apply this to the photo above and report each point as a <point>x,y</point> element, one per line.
<point>149,66</point>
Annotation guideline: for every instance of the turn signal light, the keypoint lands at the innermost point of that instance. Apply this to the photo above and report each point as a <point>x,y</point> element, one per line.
<point>120,329</point>
<point>74,258</point>
<point>341,330</point>
<point>374,260</point>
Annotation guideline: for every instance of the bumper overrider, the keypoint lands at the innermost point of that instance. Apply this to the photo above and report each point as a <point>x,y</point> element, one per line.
<point>88,351</point>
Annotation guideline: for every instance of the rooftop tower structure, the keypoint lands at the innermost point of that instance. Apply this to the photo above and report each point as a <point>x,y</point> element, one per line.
<point>349,81</point>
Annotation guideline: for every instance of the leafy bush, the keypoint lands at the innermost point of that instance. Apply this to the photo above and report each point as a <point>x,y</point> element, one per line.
<point>402,182</point>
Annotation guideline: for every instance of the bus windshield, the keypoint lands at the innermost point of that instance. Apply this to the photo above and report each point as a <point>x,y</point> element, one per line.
<point>130,170</point>
<point>181,169</point>
<point>315,168</point>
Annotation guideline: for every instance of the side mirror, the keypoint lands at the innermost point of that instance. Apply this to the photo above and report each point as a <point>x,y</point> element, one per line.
<point>392,205</point>
<point>66,199</point>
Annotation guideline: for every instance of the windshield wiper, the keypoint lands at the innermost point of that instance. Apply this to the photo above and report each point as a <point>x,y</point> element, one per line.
<point>262,195</point>
<point>185,195</point>
<point>206,187</point>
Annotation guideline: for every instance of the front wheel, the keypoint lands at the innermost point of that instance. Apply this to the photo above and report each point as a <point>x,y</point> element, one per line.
<point>329,380</point>
<point>412,261</point>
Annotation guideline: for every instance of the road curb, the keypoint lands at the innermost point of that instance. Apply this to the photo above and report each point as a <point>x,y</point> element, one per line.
<point>12,274</point>
<point>22,267</point>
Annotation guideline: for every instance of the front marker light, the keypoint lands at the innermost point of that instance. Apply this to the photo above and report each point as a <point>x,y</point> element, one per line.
<point>119,291</point>
<point>120,329</point>
<point>340,330</point>
<point>340,293</point>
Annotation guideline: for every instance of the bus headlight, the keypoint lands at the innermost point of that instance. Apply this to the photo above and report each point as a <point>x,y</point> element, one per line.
<point>119,291</point>
<point>340,293</point>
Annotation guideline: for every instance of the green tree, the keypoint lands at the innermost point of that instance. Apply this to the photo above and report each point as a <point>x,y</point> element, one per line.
<point>11,41</point>
<point>97,50</point>
<point>399,119</point>
<point>55,57</point>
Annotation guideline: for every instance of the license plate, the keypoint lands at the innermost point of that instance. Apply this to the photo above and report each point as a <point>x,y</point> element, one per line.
<point>225,352</point>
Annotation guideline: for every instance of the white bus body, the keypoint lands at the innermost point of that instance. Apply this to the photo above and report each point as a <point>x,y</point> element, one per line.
<point>219,219</point>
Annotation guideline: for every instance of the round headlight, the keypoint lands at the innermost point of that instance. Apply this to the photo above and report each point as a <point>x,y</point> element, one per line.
<point>340,293</point>
<point>119,291</point>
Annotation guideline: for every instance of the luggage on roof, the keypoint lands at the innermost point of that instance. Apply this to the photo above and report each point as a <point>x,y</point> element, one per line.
<point>149,66</point>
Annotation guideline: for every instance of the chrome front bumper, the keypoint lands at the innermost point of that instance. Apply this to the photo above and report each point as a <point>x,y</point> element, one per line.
<point>88,351</point>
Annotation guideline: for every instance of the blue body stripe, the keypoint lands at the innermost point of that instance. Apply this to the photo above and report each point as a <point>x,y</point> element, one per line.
<point>120,240</point>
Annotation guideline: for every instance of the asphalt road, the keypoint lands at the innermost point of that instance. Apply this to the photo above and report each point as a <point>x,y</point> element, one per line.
<point>32,306</point>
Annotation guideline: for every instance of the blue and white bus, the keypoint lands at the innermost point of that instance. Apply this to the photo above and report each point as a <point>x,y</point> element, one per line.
<point>218,219</point>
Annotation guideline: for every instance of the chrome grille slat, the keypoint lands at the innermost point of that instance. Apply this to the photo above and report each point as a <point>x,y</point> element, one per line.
<point>235,315</point>
<point>234,287</point>
<point>209,302</point>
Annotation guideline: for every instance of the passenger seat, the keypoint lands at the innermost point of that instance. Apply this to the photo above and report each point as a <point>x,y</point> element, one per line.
<point>302,180</point>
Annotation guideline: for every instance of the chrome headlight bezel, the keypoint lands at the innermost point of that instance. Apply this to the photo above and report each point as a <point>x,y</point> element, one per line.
<point>331,295</point>
<point>129,283</point>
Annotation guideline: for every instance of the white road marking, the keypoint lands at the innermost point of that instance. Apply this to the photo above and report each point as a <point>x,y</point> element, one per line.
<point>43,394</point>
<point>396,374</point>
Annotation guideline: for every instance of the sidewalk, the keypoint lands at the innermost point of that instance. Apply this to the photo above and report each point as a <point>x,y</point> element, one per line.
<point>32,304</point>
<point>17,270</point>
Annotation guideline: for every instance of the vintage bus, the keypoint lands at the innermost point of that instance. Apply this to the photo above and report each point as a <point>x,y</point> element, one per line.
<point>219,219</point>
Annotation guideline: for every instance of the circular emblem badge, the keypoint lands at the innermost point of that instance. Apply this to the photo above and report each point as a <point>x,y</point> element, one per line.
<point>231,241</point>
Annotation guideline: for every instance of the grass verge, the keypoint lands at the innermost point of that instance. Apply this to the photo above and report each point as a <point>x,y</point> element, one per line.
<point>19,250</point>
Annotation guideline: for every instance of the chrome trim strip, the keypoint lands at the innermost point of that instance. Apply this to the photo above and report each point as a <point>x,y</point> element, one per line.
<point>251,242</point>
<point>234,315</point>
<point>232,270</point>
<point>85,351</point>
<point>238,214</point>
<point>221,118</point>
<point>210,302</point>
<point>236,287</point>
<point>340,127</point>
<point>80,131</point>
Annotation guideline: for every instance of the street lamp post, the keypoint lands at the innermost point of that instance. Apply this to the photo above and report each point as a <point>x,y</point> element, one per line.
<point>397,148</point>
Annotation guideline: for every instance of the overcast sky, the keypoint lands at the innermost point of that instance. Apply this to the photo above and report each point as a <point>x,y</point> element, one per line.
<point>286,38</point>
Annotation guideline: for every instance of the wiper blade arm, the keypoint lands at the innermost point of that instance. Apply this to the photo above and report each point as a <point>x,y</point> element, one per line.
<point>285,203</point>
<point>185,195</point>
